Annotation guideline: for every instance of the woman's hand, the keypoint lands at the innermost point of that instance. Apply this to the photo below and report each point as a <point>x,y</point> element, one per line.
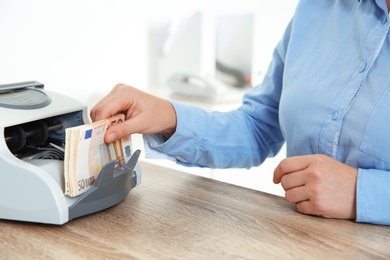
<point>319,185</point>
<point>145,113</point>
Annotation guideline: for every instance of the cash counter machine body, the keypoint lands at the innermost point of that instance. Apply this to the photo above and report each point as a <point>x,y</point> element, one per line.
<point>32,186</point>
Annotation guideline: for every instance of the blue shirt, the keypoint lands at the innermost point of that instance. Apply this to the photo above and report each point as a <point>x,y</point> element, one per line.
<point>327,91</point>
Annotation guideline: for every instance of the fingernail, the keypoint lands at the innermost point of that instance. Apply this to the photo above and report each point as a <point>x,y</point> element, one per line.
<point>111,137</point>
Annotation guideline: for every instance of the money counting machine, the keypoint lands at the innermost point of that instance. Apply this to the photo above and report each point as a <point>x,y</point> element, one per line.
<point>32,124</point>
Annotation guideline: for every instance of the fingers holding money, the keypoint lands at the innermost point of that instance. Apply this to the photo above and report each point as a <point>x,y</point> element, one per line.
<point>145,113</point>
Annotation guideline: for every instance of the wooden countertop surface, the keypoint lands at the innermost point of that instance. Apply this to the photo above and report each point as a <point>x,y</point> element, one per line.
<point>181,216</point>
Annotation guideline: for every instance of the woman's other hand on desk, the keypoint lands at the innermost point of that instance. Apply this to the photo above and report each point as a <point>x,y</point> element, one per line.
<point>319,185</point>
<point>145,113</point>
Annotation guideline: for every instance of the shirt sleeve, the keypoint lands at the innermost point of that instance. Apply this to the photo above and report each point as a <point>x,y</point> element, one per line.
<point>373,196</point>
<point>241,138</point>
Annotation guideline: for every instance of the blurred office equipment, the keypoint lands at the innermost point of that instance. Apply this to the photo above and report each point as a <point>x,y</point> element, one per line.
<point>209,56</point>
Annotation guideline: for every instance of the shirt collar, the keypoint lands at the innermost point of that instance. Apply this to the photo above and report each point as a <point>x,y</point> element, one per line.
<point>382,5</point>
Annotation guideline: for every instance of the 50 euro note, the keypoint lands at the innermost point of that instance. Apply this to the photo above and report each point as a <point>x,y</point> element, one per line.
<point>86,153</point>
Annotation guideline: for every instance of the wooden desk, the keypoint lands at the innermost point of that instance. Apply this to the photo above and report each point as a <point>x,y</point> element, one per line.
<point>180,216</point>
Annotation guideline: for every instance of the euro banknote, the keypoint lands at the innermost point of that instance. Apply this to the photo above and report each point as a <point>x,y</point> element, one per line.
<point>86,153</point>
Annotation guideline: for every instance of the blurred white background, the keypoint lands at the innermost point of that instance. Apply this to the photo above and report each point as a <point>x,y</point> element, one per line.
<point>82,48</point>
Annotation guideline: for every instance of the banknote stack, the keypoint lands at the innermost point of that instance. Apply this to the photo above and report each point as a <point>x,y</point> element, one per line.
<point>86,153</point>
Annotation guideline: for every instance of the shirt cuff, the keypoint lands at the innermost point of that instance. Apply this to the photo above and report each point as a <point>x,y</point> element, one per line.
<point>152,141</point>
<point>373,197</point>
<point>180,147</point>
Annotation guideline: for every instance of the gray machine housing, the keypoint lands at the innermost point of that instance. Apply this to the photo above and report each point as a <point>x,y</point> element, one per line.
<point>33,189</point>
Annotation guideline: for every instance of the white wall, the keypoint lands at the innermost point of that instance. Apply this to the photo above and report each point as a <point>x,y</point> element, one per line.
<point>81,48</point>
